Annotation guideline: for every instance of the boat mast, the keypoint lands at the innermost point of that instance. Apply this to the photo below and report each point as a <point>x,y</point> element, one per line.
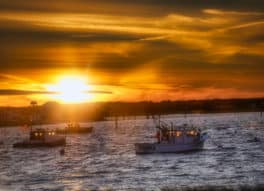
<point>116,121</point>
<point>33,114</point>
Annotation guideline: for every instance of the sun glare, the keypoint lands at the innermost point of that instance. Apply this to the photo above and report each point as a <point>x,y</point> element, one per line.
<point>71,89</point>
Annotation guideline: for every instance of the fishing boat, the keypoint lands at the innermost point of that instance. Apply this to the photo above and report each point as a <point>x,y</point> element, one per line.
<point>174,139</point>
<point>74,128</point>
<point>40,137</point>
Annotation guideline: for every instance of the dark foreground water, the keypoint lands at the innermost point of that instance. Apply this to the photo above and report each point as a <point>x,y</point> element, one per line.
<point>105,159</point>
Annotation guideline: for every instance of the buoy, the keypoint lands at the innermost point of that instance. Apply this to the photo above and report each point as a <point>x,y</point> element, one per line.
<point>254,140</point>
<point>62,152</point>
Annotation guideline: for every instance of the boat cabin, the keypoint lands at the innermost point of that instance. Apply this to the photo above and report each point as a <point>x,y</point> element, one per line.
<point>178,134</point>
<point>41,134</point>
<point>73,125</point>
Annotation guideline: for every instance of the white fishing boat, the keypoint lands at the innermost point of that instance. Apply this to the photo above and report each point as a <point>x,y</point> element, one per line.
<point>174,139</point>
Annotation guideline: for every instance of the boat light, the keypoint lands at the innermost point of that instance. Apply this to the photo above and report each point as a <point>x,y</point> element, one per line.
<point>178,133</point>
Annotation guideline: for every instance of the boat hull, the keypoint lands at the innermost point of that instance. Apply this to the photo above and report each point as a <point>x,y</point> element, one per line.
<point>148,148</point>
<point>32,144</point>
<point>82,130</point>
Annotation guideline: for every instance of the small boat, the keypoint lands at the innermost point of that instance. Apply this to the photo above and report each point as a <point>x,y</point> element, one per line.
<point>74,128</point>
<point>42,138</point>
<point>174,139</point>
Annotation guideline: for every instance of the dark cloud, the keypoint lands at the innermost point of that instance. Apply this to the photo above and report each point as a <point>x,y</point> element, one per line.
<point>249,61</point>
<point>22,49</point>
<point>46,36</point>
<point>147,7</point>
<point>5,92</point>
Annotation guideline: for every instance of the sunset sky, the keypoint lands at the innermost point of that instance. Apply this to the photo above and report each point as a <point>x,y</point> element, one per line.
<point>74,51</point>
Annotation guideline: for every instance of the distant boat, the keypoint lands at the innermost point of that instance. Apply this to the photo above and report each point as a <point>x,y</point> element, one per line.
<point>174,139</point>
<point>41,137</point>
<point>74,128</point>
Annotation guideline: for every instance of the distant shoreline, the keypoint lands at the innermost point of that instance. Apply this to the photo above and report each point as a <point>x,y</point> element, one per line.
<point>129,117</point>
<point>52,112</point>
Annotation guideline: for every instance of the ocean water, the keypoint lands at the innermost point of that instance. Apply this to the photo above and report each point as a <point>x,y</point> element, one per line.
<point>106,159</point>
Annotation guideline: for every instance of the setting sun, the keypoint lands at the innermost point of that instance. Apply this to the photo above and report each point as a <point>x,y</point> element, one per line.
<point>70,89</point>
